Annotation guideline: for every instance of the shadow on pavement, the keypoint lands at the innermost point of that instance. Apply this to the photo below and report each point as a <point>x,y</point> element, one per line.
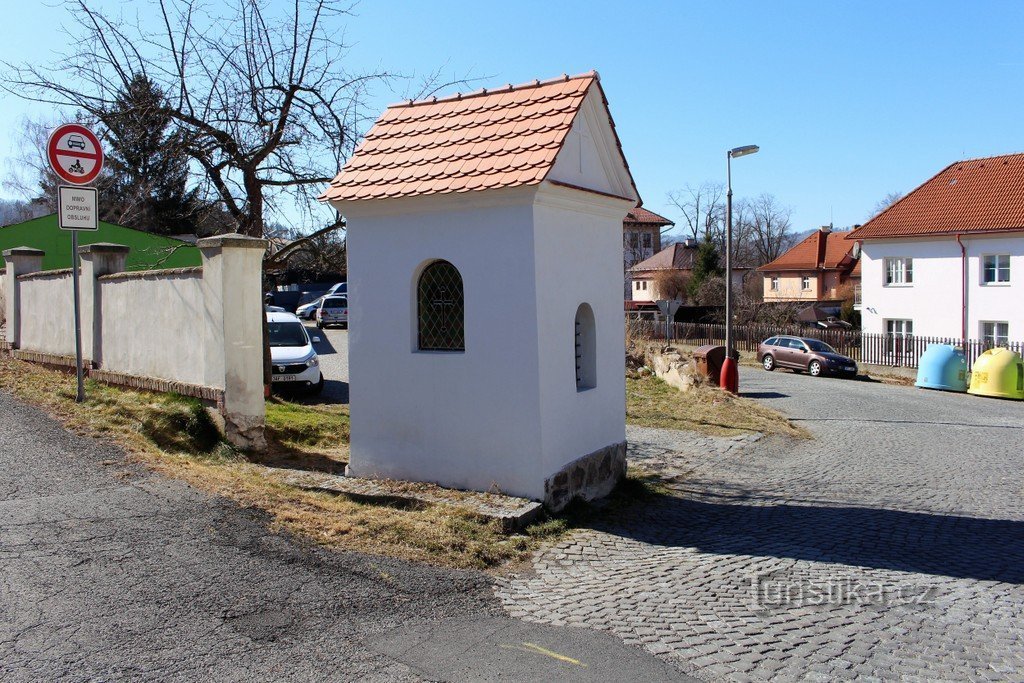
<point>927,543</point>
<point>324,347</point>
<point>762,394</point>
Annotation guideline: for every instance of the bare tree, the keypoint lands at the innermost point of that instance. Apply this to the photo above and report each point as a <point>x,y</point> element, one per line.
<point>260,97</point>
<point>770,228</point>
<point>671,284</point>
<point>885,202</point>
<point>703,210</point>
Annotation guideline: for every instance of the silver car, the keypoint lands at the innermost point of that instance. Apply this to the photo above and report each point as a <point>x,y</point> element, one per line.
<point>333,310</point>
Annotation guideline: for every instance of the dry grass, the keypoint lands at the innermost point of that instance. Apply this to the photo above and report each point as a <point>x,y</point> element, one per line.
<point>706,409</point>
<point>174,435</point>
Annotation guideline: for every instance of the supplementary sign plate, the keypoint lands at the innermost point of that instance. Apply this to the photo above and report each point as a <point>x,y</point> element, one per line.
<point>77,208</point>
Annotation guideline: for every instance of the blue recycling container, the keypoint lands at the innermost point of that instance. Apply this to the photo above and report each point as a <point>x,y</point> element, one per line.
<point>942,367</point>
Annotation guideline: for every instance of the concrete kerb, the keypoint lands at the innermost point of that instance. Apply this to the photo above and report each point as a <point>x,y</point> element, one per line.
<point>513,513</point>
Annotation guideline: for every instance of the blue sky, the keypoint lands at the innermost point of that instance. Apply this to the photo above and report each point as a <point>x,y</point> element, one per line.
<point>848,101</point>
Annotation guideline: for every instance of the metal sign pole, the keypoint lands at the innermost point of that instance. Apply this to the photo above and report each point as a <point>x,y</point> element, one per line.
<point>78,318</point>
<point>76,156</point>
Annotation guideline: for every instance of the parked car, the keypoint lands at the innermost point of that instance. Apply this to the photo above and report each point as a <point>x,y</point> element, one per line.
<point>307,311</point>
<point>294,363</point>
<point>333,310</point>
<point>801,353</point>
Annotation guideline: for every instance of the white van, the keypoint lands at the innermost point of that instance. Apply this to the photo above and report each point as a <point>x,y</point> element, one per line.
<point>294,363</point>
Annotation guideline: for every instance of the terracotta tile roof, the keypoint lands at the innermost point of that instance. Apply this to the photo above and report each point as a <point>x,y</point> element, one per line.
<point>975,195</point>
<point>641,216</point>
<point>821,250</point>
<point>487,139</point>
<point>676,256</point>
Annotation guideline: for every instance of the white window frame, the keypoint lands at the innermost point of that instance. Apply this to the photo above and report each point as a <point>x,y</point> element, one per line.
<point>805,283</point>
<point>898,271</point>
<point>997,268</point>
<point>773,283</point>
<point>994,338</point>
<point>897,328</point>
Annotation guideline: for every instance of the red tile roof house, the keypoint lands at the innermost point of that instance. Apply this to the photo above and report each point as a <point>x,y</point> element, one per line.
<point>641,239</point>
<point>947,260</point>
<point>487,343</point>
<point>819,269</point>
<point>678,257</point>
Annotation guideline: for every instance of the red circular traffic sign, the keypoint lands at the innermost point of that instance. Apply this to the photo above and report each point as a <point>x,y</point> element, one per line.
<point>75,154</point>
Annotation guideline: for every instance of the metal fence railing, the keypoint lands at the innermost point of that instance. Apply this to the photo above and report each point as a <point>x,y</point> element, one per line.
<point>875,349</point>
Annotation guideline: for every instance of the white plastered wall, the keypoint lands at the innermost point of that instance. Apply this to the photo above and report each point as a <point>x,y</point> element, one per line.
<point>934,300</point>
<point>464,419</point>
<point>162,312</point>
<point>577,261</point>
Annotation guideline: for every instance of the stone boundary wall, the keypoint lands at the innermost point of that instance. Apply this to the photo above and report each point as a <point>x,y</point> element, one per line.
<point>3,304</point>
<point>121,379</point>
<point>195,331</point>
<point>46,274</point>
<point>150,274</point>
<point>51,359</point>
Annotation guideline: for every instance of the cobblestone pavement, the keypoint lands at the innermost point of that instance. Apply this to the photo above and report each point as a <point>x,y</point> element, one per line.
<point>891,546</point>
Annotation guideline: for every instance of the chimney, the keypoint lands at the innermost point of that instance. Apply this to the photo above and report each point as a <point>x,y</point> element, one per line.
<point>689,243</point>
<point>826,228</point>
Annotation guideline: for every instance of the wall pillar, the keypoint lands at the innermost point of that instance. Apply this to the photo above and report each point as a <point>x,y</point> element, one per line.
<point>20,260</point>
<point>97,259</point>
<point>233,342</point>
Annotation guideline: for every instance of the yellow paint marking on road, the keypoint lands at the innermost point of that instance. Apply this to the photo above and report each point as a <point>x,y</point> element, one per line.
<point>532,647</point>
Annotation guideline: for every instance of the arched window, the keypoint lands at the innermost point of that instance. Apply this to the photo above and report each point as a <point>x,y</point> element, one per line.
<point>440,308</point>
<point>586,348</point>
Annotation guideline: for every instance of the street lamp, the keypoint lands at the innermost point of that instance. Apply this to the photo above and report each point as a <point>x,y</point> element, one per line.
<point>730,378</point>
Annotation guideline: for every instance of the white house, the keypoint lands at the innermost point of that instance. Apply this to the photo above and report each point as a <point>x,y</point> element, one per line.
<point>486,342</point>
<point>947,260</point>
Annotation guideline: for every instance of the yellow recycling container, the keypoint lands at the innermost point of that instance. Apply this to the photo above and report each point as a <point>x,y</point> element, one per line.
<point>998,373</point>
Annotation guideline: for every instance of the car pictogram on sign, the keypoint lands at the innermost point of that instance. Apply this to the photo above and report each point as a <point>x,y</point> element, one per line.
<point>75,154</point>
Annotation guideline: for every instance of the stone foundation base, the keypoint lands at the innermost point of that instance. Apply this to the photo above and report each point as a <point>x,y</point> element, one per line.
<point>592,476</point>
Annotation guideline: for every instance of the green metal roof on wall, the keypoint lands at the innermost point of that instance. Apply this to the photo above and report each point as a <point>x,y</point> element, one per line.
<point>148,251</point>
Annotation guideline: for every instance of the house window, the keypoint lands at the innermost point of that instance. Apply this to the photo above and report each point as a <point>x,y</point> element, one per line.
<point>899,271</point>
<point>647,240</point>
<point>805,283</point>
<point>897,332</point>
<point>441,308</point>
<point>774,284</point>
<point>634,240</point>
<point>995,333</point>
<point>586,348</point>
<point>995,269</point>
<point>645,285</point>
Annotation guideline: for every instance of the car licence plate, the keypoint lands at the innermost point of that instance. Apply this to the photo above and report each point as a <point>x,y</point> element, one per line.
<point>286,378</point>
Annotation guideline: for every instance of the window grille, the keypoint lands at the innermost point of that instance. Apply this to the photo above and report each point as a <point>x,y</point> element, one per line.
<point>441,308</point>
<point>586,348</point>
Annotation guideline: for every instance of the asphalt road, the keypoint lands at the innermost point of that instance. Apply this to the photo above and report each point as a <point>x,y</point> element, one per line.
<point>333,351</point>
<point>111,572</point>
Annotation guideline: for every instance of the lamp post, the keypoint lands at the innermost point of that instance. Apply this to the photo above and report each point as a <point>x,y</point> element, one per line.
<point>730,377</point>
